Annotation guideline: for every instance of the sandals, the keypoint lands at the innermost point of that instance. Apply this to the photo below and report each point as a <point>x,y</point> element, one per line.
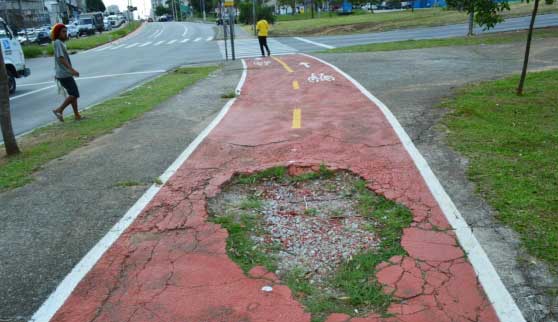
<point>58,115</point>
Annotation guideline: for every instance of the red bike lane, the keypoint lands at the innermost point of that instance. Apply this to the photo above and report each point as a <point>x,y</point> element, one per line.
<point>171,264</point>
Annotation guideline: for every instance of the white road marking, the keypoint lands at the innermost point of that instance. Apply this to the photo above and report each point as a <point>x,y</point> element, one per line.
<point>498,295</point>
<point>198,39</point>
<point>116,47</point>
<point>154,34</point>
<point>145,44</point>
<point>185,31</point>
<point>132,45</point>
<point>82,78</point>
<point>158,43</point>
<point>185,40</point>
<point>102,48</point>
<point>65,288</point>
<point>209,38</point>
<point>314,43</point>
<point>171,42</point>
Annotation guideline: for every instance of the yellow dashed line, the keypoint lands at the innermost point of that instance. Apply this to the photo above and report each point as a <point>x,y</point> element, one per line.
<point>295,85</point>
<point>283,64</point>
<point>297,118</point>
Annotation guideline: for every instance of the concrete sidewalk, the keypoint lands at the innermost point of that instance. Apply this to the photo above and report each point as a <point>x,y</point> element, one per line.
<point>170,264</point>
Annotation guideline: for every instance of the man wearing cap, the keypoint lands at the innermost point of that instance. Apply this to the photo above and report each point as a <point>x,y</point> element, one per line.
<point>64,72</point>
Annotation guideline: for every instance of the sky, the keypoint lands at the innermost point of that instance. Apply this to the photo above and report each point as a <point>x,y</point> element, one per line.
<point>144,6</point>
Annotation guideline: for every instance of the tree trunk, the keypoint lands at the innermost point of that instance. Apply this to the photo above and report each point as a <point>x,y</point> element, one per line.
<point>10,143</point>
<point>471,22</point>
<point>527,49</point>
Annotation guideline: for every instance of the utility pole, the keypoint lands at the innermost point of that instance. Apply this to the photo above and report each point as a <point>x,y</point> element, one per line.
<point>203,8</point>
<point>254,17</point>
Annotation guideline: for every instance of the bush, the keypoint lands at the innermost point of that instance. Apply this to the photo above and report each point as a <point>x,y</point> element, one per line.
<point>262,12</point>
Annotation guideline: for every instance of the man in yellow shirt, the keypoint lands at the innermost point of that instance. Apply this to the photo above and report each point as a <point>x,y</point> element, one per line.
<point>262,27</point>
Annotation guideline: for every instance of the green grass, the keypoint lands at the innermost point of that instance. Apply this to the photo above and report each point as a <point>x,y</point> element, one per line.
<point>129,183</point>
<point>251,203</point>
<point>512,144</point>
<point>362,23</point>
<point>84,43</point>
<point>486,39</point>
<point>59,139</point>
<point>240,247</point>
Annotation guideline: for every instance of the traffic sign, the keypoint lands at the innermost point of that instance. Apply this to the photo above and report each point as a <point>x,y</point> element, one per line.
<point>229,3</point>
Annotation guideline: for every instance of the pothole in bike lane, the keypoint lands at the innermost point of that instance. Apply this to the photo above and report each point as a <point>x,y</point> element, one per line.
<point>321,233</point>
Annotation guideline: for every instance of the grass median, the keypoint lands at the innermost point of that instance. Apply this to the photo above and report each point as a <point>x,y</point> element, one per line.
<point>485,39</point>
<point>83,43</point>
<point>512,144</point>
<point>59,139</point>
<point>362,23</point>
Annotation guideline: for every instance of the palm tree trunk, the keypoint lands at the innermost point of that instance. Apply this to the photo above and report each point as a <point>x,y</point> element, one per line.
<point>10,143</point>
<point>527,49</point>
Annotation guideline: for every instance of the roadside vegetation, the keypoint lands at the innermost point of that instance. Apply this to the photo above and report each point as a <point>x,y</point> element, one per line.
<point>249,203</point>
<point>59,139</point>
<point>484,39</point>
<point>362,23</point>
<point>83,43</point>
<point>511,142</point>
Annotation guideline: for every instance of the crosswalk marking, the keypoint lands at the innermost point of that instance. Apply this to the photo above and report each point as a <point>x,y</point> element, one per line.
<point>185,40</point>
<point>245,48</point>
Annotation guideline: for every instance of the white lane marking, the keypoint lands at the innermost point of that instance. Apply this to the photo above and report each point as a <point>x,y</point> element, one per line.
<point>198,39</point>
<point>498,295</point>
<point>314,43</point>
<point>185,40</point>
<point>102,48</point>
<point>185,31</point>
<point>172,42</point>
<point>116,47</point>
<point>132,45</point>
<point>32,92</point>
<point>145,44</point>
<point>83,78</point>
<point>155,33</point>
<point>65,288</point>
<point>158,43</point>
<point>209,38</point>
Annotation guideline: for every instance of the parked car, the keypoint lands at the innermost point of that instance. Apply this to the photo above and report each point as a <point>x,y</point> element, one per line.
<point>39,37</point>
<point>107,23</point>
<point>72,31</point>
<point>149,19</point>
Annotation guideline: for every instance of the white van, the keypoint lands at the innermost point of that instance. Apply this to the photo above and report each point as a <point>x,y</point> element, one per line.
<point>13,56</point>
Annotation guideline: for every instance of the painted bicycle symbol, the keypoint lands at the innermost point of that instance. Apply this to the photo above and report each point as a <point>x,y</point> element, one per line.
<point>260,62</point>
<point>321,77</point>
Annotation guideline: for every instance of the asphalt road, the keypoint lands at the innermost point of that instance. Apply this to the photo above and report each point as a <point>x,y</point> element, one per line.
<point>158,47</point>
<point>107,71</point>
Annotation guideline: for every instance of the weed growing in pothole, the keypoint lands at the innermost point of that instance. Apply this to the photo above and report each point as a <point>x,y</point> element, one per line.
<point>322,233</point>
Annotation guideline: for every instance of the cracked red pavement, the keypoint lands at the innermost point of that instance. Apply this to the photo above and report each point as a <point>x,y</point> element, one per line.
<point>171,264</point>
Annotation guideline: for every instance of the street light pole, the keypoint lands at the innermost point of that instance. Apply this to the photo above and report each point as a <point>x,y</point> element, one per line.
<point>254,16</point>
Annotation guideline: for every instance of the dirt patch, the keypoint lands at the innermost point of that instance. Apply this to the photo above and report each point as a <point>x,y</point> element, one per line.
<point>317,230</point>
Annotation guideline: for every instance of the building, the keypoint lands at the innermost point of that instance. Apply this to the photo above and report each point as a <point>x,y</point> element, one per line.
<point>20,14</point>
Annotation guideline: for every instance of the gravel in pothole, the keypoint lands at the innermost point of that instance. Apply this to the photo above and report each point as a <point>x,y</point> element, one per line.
<point>315,222</point>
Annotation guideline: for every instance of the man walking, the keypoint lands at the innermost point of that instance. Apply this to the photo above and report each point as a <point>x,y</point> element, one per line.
<point>64,72</point>
<point>263,27</point>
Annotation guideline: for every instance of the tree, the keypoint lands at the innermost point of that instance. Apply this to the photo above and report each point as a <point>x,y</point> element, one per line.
<point>161,10</point>
<point>95,5</point>
<point>10,143</point>
<point>486,13</point>
<point>528,46</point>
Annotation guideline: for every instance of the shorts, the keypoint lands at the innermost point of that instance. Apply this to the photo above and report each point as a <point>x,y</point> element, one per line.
<point>70,85</point>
